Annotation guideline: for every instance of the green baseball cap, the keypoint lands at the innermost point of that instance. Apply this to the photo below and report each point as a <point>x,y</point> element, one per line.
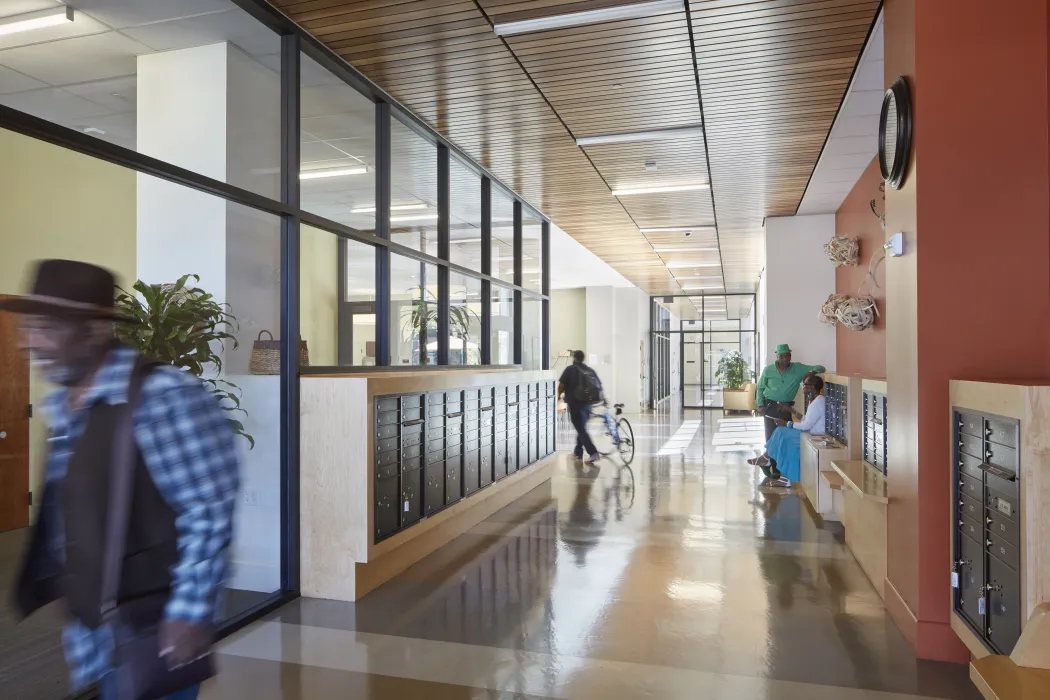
<point>783,349</point>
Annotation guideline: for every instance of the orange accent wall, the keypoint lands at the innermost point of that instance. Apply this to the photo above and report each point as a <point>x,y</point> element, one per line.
<point>862,354</point>
<point>977,257</point>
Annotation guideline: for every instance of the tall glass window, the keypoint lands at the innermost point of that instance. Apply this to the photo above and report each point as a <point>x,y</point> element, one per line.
<point>465,216</point>
<point>464,320</point>
<point>502,327</point>
<point>413,202</point>
<point>413,312</point>
<point>531,251</point>
<point>337,149</point>
<point>337,291</point>
<point>201,93</point>
<point>531,333</point>
<point>502,236</point>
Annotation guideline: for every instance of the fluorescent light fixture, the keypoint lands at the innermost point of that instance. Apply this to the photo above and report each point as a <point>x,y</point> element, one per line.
<point>393,207</point>
<point>576,19</point>
<point>336,172</point>
<point>35,20</point>
<point>413,217</point>
<point>660,135</point>
<point>694,289</point>
<point>678,229</point>
<point>465,240</point>
<point>660,188</point>
<point>683,265</point>
<point>686,250</point>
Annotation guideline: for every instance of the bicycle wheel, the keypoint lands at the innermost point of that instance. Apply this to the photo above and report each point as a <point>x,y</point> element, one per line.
<point>626,445</point>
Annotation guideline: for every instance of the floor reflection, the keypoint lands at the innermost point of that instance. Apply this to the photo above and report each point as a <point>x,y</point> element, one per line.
<point>679,577</point>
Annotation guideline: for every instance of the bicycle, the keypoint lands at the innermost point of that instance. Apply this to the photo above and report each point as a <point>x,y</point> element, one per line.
<point>619,430</point>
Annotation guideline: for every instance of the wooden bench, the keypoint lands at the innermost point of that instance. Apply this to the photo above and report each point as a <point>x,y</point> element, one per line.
<point>1024,674</point>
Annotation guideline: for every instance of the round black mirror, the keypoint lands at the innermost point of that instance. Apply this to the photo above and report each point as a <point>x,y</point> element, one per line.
<point>895,125</point>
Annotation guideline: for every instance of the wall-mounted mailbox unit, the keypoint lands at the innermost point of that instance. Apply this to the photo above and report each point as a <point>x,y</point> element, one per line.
<point>836,413</point>
<point>1001,511</point>
<point>875,430</point>
<point>437,448</point>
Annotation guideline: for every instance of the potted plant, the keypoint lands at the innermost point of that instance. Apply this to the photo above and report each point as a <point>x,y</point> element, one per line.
<point>423,320</point>
<point>185,327</point>
<point>733,373</point>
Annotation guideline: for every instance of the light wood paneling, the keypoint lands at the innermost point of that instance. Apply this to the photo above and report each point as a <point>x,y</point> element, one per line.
<point>772,74</point>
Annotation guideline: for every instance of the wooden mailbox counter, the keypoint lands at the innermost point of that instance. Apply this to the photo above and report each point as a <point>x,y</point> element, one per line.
<point>393,465</point>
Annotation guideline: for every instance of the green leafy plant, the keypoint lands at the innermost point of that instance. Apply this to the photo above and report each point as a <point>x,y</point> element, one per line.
<point>424,318</point>
<point>733,371</point>
<point>185,327</point>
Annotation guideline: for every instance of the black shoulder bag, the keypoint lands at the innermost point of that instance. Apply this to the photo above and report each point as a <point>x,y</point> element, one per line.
<point>139,670</point>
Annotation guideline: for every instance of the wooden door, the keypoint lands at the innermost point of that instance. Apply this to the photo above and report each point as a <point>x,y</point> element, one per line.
<point>14,428</point>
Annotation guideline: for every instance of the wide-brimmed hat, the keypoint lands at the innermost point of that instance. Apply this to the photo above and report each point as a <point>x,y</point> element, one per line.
<point>68,289</point>
<point>783,349</point>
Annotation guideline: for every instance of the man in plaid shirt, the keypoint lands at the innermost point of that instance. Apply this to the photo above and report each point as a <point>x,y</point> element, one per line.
<point>185,441</point>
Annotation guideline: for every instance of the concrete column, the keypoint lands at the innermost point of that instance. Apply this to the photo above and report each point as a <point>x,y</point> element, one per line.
<point>215,111</point>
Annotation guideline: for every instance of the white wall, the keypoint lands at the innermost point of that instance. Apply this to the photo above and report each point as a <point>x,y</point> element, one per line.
<point>631,340</point>
<point>798,280</point>
<point>599,346</point>
<point>568,323</point>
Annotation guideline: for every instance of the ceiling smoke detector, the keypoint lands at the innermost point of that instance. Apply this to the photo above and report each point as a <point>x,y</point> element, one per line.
<point>650,165</point>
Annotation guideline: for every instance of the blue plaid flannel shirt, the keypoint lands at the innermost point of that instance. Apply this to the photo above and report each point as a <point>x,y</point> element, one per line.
<point>187,444</point>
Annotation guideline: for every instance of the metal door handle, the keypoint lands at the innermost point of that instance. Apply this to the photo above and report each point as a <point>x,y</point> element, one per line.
<point>3,435</point>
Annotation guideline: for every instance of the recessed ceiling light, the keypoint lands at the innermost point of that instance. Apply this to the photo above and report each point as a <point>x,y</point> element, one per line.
<point>659,135</point>
<point>414,217</point>
<point>576,19</point>
<point>694,288</point>
<point>336,172</point>
<point>659,188</point>
<point>678,229</point>
<point>35,20</point>
<point>393,207</point>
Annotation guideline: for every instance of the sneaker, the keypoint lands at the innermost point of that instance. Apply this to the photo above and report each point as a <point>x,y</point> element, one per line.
<point>593,459</point>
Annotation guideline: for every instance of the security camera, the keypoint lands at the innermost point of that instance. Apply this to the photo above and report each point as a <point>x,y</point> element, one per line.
<point>688,234</point>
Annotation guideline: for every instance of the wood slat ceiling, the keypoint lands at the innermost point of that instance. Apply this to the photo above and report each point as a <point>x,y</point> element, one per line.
<point>772,74</point>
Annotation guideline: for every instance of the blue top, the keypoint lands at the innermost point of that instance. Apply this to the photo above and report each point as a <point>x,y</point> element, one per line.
<point>187,443</point>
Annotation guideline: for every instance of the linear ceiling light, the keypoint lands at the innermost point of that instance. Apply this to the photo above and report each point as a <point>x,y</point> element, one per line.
<point>35,20</point>
<point>679,229</point>
<point>660,188</point>
<point>337,172</point>
<point>660,135</point>
<point>576,19</point>
<point>393,207</point>
<point>682,265</point>
<point>695,288</point>
<point>686,250</point>
<point>414,217</point>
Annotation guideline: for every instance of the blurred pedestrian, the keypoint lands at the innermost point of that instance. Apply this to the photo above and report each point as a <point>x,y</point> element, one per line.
<point>133,441</point>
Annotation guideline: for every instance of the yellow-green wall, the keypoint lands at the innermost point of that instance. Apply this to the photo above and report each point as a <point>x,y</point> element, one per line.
<point>319,295</point>
<point>55,203</point>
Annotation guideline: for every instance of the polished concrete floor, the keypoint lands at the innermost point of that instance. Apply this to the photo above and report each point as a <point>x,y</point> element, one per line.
<point>681,578</point>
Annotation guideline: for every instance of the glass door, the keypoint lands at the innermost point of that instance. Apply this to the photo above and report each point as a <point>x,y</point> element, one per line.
<point>693,379</point>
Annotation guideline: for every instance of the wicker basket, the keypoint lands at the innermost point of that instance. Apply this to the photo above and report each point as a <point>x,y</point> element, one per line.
<point>266,355</point>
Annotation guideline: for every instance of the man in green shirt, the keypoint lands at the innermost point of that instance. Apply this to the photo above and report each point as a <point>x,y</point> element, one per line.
<point>778,386</point>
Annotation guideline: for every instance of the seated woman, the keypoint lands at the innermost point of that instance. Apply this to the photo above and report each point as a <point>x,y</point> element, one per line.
<point>782,450</point>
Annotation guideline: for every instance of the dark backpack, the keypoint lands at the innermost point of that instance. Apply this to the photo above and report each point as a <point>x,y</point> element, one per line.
<point>588,388</point>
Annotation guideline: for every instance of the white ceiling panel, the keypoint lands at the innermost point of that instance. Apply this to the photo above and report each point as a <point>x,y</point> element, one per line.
<point>853,140</point>
<point>128,13</point>
<point>234,26</point>
<point>54,104</point>
<point>78,60</point>
<point>13,81</point>
<point>115,94</point>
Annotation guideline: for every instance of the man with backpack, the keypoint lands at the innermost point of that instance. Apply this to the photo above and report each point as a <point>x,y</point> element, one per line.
<point>581,388</point>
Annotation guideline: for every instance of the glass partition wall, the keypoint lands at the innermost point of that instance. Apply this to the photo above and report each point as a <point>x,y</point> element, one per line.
<point>690,336</point>
<point>329,218</point>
